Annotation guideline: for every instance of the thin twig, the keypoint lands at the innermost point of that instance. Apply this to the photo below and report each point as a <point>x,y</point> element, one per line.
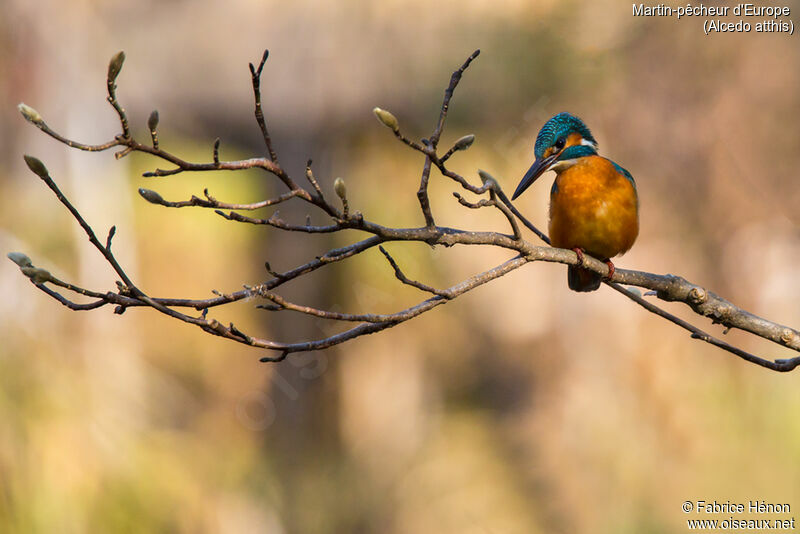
<point>312,180</point>
<point>259,113</point>
<point>276,222</point>
<point>211,202</point>
<point>68,303</point>
<point>492,202</point>
<point>776,365</point>
<point>413,144</point>
<point>403,278</point>
<point>422,194</point>
<point>112,99</point>
<point>504,199</point>
<point>74,144</point>
<point>448,94</point>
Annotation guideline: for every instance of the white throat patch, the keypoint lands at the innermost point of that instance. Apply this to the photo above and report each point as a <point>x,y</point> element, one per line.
<point>559,166</point>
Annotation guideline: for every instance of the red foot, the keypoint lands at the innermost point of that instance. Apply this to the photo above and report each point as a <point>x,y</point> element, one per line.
<point>579,252</point>
<point>611,270</point>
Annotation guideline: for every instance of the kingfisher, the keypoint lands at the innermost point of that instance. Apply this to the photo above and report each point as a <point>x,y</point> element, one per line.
<point>594,207</point>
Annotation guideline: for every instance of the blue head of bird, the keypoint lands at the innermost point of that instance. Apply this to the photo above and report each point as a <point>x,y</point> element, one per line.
<point>562,139</point>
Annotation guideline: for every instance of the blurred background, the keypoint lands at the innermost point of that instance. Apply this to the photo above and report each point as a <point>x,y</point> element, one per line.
<point>520,407</point>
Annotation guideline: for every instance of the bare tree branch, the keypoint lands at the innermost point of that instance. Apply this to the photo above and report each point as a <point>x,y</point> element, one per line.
<point>413,283</point>
<point>448,94</point>
<point>211,202</point>
<point>259,113</point>
<point>666,287</point>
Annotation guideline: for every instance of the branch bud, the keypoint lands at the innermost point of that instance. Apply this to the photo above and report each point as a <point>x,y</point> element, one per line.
<point>115,65</point>
<point>698,295</point>
<point>20,259</point>
<point>387,119</point>
<point>37,275</point>
<point>340,188</point>
<point>152,121</point>
<point>487,179</point>
<point>464,143</point>
<point>787,335</point>
<point>36,165</point>
<point>152,197</point>
<point>30,114</point>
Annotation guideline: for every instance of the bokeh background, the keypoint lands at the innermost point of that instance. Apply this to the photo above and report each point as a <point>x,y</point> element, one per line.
<point>520,407</point>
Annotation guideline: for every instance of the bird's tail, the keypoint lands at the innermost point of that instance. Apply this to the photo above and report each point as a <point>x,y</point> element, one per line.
<point>582,279</point>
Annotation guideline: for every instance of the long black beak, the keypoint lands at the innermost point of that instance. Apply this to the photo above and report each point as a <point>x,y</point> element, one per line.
<point>537,169</point>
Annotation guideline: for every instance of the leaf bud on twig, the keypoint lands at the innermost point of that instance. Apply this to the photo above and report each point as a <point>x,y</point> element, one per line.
<point>152,121</point>
<point>39,276</point>
<point>36,166</point>
<point>387,119</point>
<point>464,143</point>
<point>30,114</point>
<point>20,259</point>
<point>341,192</point>
<point>340,188</point>
<point>115,65</point>
<point>487,179</point>
<point>151,196</point>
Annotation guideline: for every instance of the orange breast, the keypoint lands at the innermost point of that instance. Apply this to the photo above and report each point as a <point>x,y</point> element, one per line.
<point>594,207</point>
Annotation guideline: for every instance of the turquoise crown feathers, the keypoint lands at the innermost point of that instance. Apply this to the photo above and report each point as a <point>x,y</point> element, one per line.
<point>560,125</point>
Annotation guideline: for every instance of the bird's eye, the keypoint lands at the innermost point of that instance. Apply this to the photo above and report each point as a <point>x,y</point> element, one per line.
<point>560,142</point>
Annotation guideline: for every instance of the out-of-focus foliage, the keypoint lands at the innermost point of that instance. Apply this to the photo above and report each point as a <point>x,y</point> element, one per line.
<point>522,407</point>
